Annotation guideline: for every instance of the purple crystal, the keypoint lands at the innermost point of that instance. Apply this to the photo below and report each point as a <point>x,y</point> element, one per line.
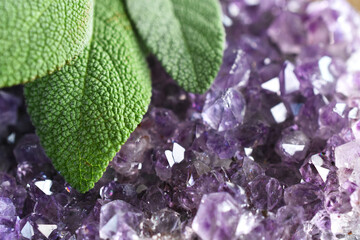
<point>115,190</point>
<point>266,192</point>
<point>285,173</point>
<point>338,202</point>
<point>234,71</point>
<point>88,232</point>
<point>154,199</point>
<point>308,118</point>
<point>217,217</point>
<point>129,159</point>
<point>8,109</point>
<point>249,134</point>
<point>164,121</point>
<point>305,195</point>
<point>310,174</point>
<point>119,220</point>
<point>289,82</point>
<point>7,216</point>
<point>289,219</point>
<point>211,182</point>
<point>163,165</point>
<point>224,148</point>
<point>165,221</point>
<point>251,169</point>
<point>36,227</point>
<point>288,32</point>
<point>9,189</point>
<point>28,149</point>
<point>6,160</point>
<point>224,111</point>
<point>332,119</point>
<point>346,160</point>
<point>293,145</point>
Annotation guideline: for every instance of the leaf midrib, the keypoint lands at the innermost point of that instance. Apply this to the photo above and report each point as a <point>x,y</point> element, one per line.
<point>184,39</point>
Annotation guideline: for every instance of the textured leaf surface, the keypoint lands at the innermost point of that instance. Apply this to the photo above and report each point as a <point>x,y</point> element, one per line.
<point>85,111</point>
<point>185,35</point>
<point>39,36</point>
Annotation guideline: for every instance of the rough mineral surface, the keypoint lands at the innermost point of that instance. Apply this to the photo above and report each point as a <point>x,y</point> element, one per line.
<point>271,151</point>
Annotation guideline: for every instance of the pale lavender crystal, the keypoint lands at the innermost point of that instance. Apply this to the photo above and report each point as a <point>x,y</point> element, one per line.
<point>320,74</point>
<point>332,119</point>
<point>235,70</point>
<point>355,129</point>
<point>293,145</point>
<point>288,32</point>
<point>120,220</point>
<point>36,227</point>
<point>88,232</point>
<point>7,217</point>
<point>322,221</point>
<point>217,217</point>
<point>224,110</point>
<point>7,208</point>
<point>165,221</point>
<point>338,202</point>
<point>289,83</point>
<point>9,189</point>
<point>338,16</point>
<point>346,160</point>
<point>343,224</point>
<point>289,218</point>
<point>317,31</point>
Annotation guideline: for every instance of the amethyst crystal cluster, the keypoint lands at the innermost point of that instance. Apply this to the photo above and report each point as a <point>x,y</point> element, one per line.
<point>271,151</point>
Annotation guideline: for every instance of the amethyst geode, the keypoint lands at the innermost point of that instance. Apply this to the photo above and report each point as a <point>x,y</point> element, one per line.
<point>271,151</point>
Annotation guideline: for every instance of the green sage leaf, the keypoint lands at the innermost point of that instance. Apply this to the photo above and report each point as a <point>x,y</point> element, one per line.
<point>40,36</point>
<point>187,36</point>
<point>87,110</point>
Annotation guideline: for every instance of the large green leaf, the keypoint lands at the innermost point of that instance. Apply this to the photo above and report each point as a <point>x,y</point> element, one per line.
<point>87,110</point>
<point>187,36</point>
<point>39,36</point>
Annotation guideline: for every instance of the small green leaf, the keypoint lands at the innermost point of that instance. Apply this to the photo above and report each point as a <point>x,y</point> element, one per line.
<point>40,36</point>
<point>87,110</point>
<point>187,36</point>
